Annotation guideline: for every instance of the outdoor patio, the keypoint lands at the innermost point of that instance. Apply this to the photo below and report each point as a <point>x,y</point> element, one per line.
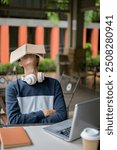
<point>83,92</point>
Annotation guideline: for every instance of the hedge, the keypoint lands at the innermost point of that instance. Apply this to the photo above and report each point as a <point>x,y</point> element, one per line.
<point>47,65</point>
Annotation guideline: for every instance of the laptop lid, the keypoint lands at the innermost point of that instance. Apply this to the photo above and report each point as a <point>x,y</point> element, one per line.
<point>87,115</point>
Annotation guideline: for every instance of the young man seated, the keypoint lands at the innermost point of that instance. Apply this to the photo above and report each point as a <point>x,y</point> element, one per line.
<point>34,98</point>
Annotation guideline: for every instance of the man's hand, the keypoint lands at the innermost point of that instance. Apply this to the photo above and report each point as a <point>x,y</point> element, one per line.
<point>48,112</point>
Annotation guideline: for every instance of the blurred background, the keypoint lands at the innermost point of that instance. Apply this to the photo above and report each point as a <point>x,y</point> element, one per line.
<point>69,30</point>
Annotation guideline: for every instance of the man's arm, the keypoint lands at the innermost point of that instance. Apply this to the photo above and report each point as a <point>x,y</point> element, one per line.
<point>57,114</point>
<point>59,107</point>
<point>13,109</point>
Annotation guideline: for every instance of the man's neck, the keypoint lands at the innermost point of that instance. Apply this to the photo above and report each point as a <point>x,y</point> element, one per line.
<point>31,70</point>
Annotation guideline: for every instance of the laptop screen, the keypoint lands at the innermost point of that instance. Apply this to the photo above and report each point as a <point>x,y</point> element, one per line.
<point>89,112</point>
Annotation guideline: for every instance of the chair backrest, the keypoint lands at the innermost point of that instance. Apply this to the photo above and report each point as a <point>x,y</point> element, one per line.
<point>69,85</point>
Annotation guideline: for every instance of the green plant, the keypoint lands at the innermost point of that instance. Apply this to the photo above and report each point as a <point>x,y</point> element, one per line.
<point>47,65</point>
<point>8,69</point>
<point>60,5</point>
<point>92,61</point>
<point>88,49</point>
<point>4,68</point>
<point>53,17</point>
<point>6,1</point>
<point>19,69</point>
<point>92,16</point>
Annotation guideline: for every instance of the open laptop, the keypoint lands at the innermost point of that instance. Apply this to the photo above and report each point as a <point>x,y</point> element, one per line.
<point>86,114</point>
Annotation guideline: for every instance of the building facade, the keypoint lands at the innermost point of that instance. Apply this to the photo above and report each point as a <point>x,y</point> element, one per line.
<point>22,22</point>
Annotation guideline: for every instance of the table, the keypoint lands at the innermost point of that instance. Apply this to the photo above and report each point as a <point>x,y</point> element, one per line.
<point>45,141</point>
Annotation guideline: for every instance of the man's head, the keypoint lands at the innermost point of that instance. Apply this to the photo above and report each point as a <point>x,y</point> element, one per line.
<point>28,57</point>
<point>29,60</point>
<point>30,64</point>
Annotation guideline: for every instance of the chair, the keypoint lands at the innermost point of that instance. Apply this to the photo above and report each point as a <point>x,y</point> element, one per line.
<point>69,85</point>
<point>3,117</point>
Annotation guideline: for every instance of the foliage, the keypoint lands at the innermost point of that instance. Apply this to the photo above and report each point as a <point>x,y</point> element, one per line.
<point>4,68</point>
<point>88,49</point>
<point>92,62</point>
<point>53,17</point>
<point>97,2</point>
<point>91,16</point>
<point>47,65</point>
<point>9,69</point>
<point>88,46</point>
<point>6,1</point>
<point>62,4</point>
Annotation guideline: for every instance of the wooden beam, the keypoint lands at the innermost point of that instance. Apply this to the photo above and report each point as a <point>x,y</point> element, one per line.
<point>33,10</point>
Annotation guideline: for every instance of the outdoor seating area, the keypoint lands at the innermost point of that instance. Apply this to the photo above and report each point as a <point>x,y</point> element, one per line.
<point>59,39</point>
<point>73,89</point>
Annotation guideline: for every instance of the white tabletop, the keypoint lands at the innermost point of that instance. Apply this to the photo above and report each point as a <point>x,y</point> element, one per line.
<point>45,141</point>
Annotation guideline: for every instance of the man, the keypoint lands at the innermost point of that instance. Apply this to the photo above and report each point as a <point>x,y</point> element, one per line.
<point>33,98</point>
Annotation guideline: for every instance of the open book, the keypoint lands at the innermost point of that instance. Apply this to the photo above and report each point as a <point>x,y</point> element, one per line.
<point>26,49</point>
<point>14,137</point>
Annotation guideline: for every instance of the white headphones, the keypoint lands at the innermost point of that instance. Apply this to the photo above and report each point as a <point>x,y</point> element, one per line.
<point>31,78</point>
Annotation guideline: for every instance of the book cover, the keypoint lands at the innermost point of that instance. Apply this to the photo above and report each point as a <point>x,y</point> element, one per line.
<point>14,137</point>
<point>26,49</point>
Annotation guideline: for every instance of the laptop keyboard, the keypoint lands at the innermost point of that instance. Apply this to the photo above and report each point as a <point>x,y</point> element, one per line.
<point>65,132</point>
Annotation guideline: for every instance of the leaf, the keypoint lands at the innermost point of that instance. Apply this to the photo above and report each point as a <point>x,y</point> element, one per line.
<point>53,17</point>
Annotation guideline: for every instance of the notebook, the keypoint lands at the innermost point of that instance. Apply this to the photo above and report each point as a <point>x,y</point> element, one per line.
<point>14,137</point>
<point>86,114</point>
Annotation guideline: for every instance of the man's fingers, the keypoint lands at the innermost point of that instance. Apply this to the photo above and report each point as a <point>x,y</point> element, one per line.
<point>48,112</point>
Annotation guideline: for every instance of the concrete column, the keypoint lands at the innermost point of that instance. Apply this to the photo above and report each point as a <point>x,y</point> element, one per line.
<point>54,42</point>
<point>39,35</point>
<point>4,44</point>
<point>76,54</point>
<point>22,35</point>
<point>94,41</point>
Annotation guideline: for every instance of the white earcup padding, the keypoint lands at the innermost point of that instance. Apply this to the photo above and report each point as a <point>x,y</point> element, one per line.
<point>30,79</point>
<point>40,76</point>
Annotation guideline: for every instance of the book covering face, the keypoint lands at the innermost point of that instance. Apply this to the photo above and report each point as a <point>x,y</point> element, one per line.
<point>17,54</point>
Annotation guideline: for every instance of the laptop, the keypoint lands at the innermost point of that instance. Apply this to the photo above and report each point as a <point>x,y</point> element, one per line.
<point>86,114</point>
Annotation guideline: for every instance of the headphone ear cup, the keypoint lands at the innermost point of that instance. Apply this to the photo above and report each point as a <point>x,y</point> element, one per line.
<point>29,79</point>
<point>40,76</point>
